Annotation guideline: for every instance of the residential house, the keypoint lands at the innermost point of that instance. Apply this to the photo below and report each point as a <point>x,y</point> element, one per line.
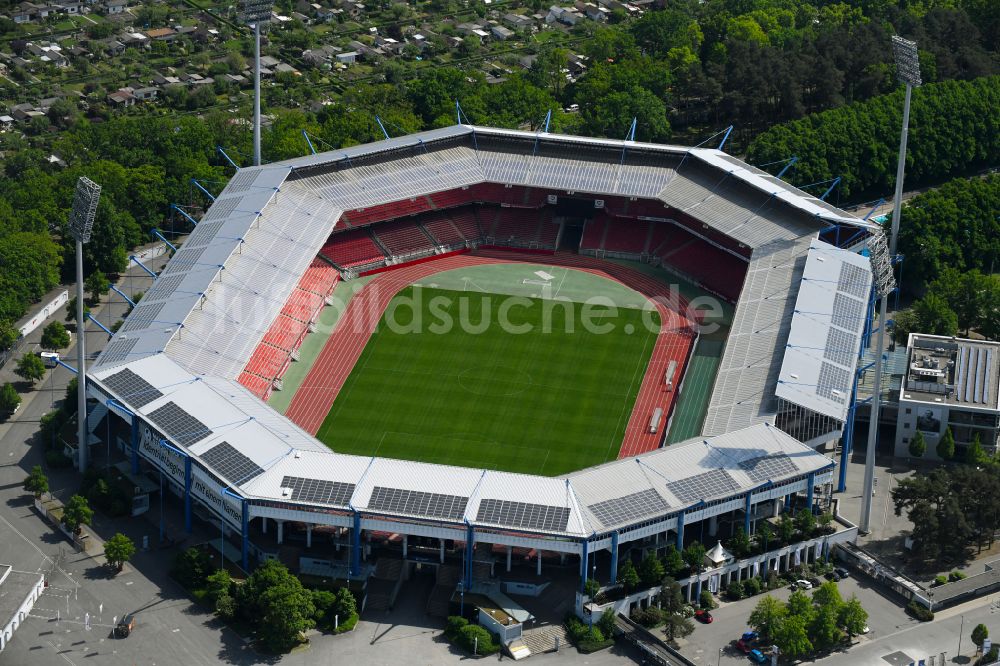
<point>146,94</point>
<point>47,53</point>
<point>238,79</point>
<point>121,98</point>
<point>113,47</point>
<point>517,22</point>
<point>348,57</point>
<point>285,68</point>
<point>134,40</point>
<point>72,7</point>
<point>113,7</point>
<point>162,34</point>
<point>6,123</point>
<point>315,57</point>
<point>592,11</point>
<point>21,111</point>
<point>501,33</point>
<point>162,81</point>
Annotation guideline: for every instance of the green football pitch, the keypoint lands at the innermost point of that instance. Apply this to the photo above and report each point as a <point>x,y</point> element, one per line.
<point>544,399</point>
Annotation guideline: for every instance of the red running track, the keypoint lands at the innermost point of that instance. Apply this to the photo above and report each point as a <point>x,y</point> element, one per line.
<point>315,397</point>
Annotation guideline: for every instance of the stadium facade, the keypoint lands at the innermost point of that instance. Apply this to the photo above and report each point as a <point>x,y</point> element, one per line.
<point>172,371</point>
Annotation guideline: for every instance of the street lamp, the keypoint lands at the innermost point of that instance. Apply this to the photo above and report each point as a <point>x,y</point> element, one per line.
<point>908,73</point>
<point>254,13</point>
<point>81,224</point>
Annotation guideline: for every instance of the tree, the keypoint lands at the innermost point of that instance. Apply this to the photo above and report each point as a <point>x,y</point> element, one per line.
<point>673,561</point>
<point>672,605</point>
<point>805,522</point>
<point>828,595</point>
<point>77,513</point>
<point>980,634</point>
<point>765,533</point>
<point>9,399</point>
<point>800,605</point>
<point>946,445</point>
<point>974,454</point>
<point>219,584</point>
<point>767,615</point>
<point>118,550</point>
<point>917,445</point>
<point>591,587</point>
<point>934,316</point>
<point>629,576</point>
<point>792,637</point>
<point>345,606</point>
<point>55,336</point>
<point>36,482</point>
<point>694,555</point>
<point>287,613</point>
<point>786,528</point>
<point>8,335</point>
<point>71,311</point>
<point>853,617</point>
<point>650,571</point>
<point>96,285</point>
<point>30,368</point>
<point>191,567</point>
<point>824,629</point>
<point>739,544</point>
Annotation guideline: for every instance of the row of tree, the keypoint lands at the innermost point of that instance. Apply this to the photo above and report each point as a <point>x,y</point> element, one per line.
<point>952,131</point>
<point>955,302</point>
<point>803,625</point>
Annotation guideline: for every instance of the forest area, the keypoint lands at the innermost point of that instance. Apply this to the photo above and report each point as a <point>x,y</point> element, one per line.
<point>813,79</point>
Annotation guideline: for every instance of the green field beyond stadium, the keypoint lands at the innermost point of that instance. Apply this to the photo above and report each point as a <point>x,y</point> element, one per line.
<point>552,397</point>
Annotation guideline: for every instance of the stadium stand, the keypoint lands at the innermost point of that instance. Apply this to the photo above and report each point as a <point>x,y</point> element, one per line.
<point>403,237</point>
<point>712,267</point>
<point>302,305</point>
<point>662,237</point>
<point>467,223</point>
<point>441,228</point>
<point>593,233</point>
<point>320,278</point>
<point>517,227</point>
<point>451,198</point>
<point>268,362</point>
<point>286,333</point>
<point>625,235</point>
<point>259,386</point>
<point>388,211</point>
<point>352,248</point>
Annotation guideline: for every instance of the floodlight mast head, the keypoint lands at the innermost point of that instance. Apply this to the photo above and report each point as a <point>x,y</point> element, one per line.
<point>253,12</point>
<point>85,200</point>
<point>904,52</point>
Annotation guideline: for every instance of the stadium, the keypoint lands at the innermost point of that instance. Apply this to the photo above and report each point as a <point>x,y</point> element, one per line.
<point>270,402</point>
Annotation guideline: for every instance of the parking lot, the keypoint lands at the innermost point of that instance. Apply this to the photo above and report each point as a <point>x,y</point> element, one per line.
<point>713,643</point>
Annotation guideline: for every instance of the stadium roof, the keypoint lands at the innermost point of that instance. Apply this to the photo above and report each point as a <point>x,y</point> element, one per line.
<point>185,343</point>
<point>258,452</point>
<point>824,340</point>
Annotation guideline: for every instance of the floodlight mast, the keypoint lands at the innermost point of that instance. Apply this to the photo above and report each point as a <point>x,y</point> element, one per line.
<point>81,223</point>
<point>908,72</point>
<point>255,13</point>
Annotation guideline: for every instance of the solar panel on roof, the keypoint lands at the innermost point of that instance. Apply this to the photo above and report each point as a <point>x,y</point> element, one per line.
<point>184,259</point>
<point>230,463</point>
<point>417,503</point>
<point>242,181</point>
<point>853,280</point>
<point>203,235</point>
<point>220,209</point>
<point>118,350</point>
<point>520,514</point>
<point>179,425</point>
<point>629,508</point>
<point>143,316</point>
<point>847,312</point>
<point>840,346</point>
<point>831,379</point>
<point>132,388</point>
<point>764,468</point>
<point>163,287</point>
<point>713,483</point>
<point>318,491</point>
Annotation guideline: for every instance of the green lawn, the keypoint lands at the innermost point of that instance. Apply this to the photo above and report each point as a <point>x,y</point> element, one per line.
<point>536,402</point>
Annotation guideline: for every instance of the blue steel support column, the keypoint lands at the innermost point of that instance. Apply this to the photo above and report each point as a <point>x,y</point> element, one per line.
<point>245,536</point>
<point>680,531</point>
<point>187,494</point>
<point>135,445</point>
<point>584,556</point>
<point>469,547</point>
<point>811,485</point>
<point>614,558</point>
<point>355,569</point>
<point>748,509</point>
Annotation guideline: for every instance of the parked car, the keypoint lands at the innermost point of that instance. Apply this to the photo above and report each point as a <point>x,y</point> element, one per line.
<point>841,573</point>
<point>125,626</point>
<point>748,641</point>
<point>757,657</point>
<point>703,616</point>
<point>803,584</point>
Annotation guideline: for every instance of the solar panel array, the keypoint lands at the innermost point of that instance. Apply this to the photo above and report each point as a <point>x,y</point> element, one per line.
<point>629,508</point>
<point>519,514</point>
<point>841,346</point>
<point>118,350</point>
<point>185,259</point>
<point>143,316</point>
<point>765,468</point>
<point>221,208</point>
<point>713,483</point>
<point>417,503</point>
<point>847,312</point>
<point>318,491</point>
<point>242,181</point>
<point>853,280</point>
<point>132,388</point>
<point>163,287</point>
<point>178,424</point>
<point>203,235</point>
<point>833,378</point>
<point>230,463</point>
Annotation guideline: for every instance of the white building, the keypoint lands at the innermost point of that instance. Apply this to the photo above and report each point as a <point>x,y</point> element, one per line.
<point>19,590</point>
<point>949,383</point>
